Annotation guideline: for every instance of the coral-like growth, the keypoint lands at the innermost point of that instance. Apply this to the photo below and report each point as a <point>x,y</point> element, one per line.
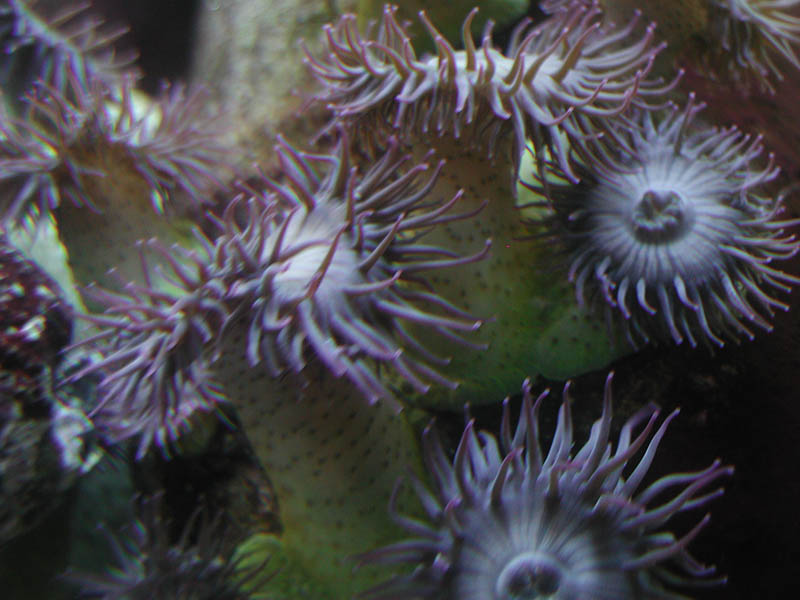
<point>751,34</point>
<point>153,565</point>
<point>61,42</point>
<point>677,233</point>
<point>557,81</point>
<point>506,521</point>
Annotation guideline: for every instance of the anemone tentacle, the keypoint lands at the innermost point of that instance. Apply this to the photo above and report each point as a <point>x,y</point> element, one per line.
<point>505,520</point>
<point>753,33</point>
<point>156,350</point>
<point>677,234</point>
<point>64,41</point>
<point>558,80</point>
<point>151,564</point>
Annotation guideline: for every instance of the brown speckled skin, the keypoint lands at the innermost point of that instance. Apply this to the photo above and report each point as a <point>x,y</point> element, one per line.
<point>332,458</point>
<point>514,289</point>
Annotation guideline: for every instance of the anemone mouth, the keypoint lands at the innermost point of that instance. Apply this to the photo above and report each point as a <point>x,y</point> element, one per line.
<point>529,576</point>
<point>509,520</point>
<point>558,80</point>
<point>660,217</point>
<point>674,232</point>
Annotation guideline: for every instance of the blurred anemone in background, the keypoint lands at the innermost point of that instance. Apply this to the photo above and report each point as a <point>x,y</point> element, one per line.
<point>154,564</point>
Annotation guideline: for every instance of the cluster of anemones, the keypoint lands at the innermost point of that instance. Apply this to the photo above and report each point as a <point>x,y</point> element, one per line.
<point>556,82</point>
<point>325,264</point>
<point>676,232</point>
<point>505,520</point>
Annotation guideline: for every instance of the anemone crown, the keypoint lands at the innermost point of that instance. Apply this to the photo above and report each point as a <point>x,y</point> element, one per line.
<point>505,520</point>
<point>558,81</point>
<point>674,232</point>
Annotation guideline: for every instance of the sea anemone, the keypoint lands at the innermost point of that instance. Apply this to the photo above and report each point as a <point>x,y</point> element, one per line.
<point>504,521</point>
<point>677,220</point>
<point>752,33</point>
<point>112,166</point>
<point>73,142</point>
<point>299,309</point>
<point>58,43</point>
<point>151,564</point>
<point>154,356</point>
<point>330,262</point>
<point>558,81</point>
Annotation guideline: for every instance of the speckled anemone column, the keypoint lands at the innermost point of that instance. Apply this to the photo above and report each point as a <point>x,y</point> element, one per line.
<point>294,314</point>
<point>477,108</point>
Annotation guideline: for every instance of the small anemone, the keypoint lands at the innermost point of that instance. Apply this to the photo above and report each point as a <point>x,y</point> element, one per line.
<point>506,521</point>
<point>676,219</point>
<point>59,42</point>
<point>753,33</point>
<point>330,261</point>
<point>95,135</point>
<point>153,352</point>
<point>151,564</point>
<point>558,80</point>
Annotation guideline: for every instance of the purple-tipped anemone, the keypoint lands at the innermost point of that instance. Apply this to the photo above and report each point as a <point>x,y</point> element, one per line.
<point>195,566</point>
<point>154,348</point>
<point>330,263</point>
<point>73,142</point>
<point>558,81</point>
<point>328,266</point>
<point>506,521</point>
<point>675,233</point>
<point>63,41</point>
<point>753,33</point>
